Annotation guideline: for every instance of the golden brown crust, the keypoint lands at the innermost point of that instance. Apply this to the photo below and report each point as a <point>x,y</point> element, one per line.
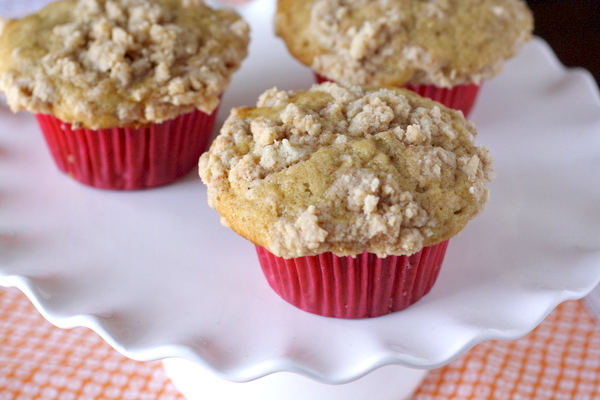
<point>395,42</point>
<point>107,63</point>
<point>346,170</point>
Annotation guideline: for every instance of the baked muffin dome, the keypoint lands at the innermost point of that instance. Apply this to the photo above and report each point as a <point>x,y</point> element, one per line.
<point>109,63</point>
<point>397,42</point>
<point>346,169</point>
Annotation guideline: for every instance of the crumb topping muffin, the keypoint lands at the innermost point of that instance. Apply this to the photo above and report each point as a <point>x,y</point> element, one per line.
<point>396,42</point>
<point>108,63</point>
<point>3,22</point>
<point>346,170</point>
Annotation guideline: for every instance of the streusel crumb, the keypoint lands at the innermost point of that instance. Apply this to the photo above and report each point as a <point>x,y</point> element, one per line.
<point>107,63</point>
<point>346,170</point>
<point>395,42</point>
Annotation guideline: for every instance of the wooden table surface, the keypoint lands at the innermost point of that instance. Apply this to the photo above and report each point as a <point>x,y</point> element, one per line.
<point>572,28</point>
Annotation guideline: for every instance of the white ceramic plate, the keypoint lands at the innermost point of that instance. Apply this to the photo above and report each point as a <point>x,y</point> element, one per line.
<point>157,276</point>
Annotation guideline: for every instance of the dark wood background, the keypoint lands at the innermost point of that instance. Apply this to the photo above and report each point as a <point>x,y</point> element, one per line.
<point>572,28</point>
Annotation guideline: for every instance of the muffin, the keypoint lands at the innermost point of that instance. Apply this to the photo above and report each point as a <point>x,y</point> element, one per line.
<point>442,49</point>
<point>349,193</point>
<point>125,91</point>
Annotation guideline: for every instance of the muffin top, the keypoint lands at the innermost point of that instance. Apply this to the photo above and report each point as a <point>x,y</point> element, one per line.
<point>108,63</point>
<point>397,42</point>
<point>346,169</point>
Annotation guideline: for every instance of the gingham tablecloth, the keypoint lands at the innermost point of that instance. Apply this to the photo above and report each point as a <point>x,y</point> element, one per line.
<point>559,360</point>
<point>40,361</point>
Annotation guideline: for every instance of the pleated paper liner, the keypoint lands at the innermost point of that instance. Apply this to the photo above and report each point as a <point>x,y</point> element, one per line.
<point>125,158</point>
<point>460,97</point>
<point>364,286</point>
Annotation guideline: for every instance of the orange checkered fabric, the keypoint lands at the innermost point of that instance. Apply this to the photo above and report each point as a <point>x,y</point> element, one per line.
<point>40,361</point>
<point>558,360</point>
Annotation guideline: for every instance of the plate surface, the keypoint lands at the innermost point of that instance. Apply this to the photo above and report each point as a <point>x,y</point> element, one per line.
<point>157,276</point>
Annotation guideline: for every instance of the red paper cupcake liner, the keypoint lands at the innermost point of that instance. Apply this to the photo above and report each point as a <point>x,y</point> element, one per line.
<point>364,286</point>
<point>460,97</point>
<point>127,158</point>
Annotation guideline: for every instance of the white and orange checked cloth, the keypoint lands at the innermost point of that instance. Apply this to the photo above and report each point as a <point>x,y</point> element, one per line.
<point>559,360</point>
